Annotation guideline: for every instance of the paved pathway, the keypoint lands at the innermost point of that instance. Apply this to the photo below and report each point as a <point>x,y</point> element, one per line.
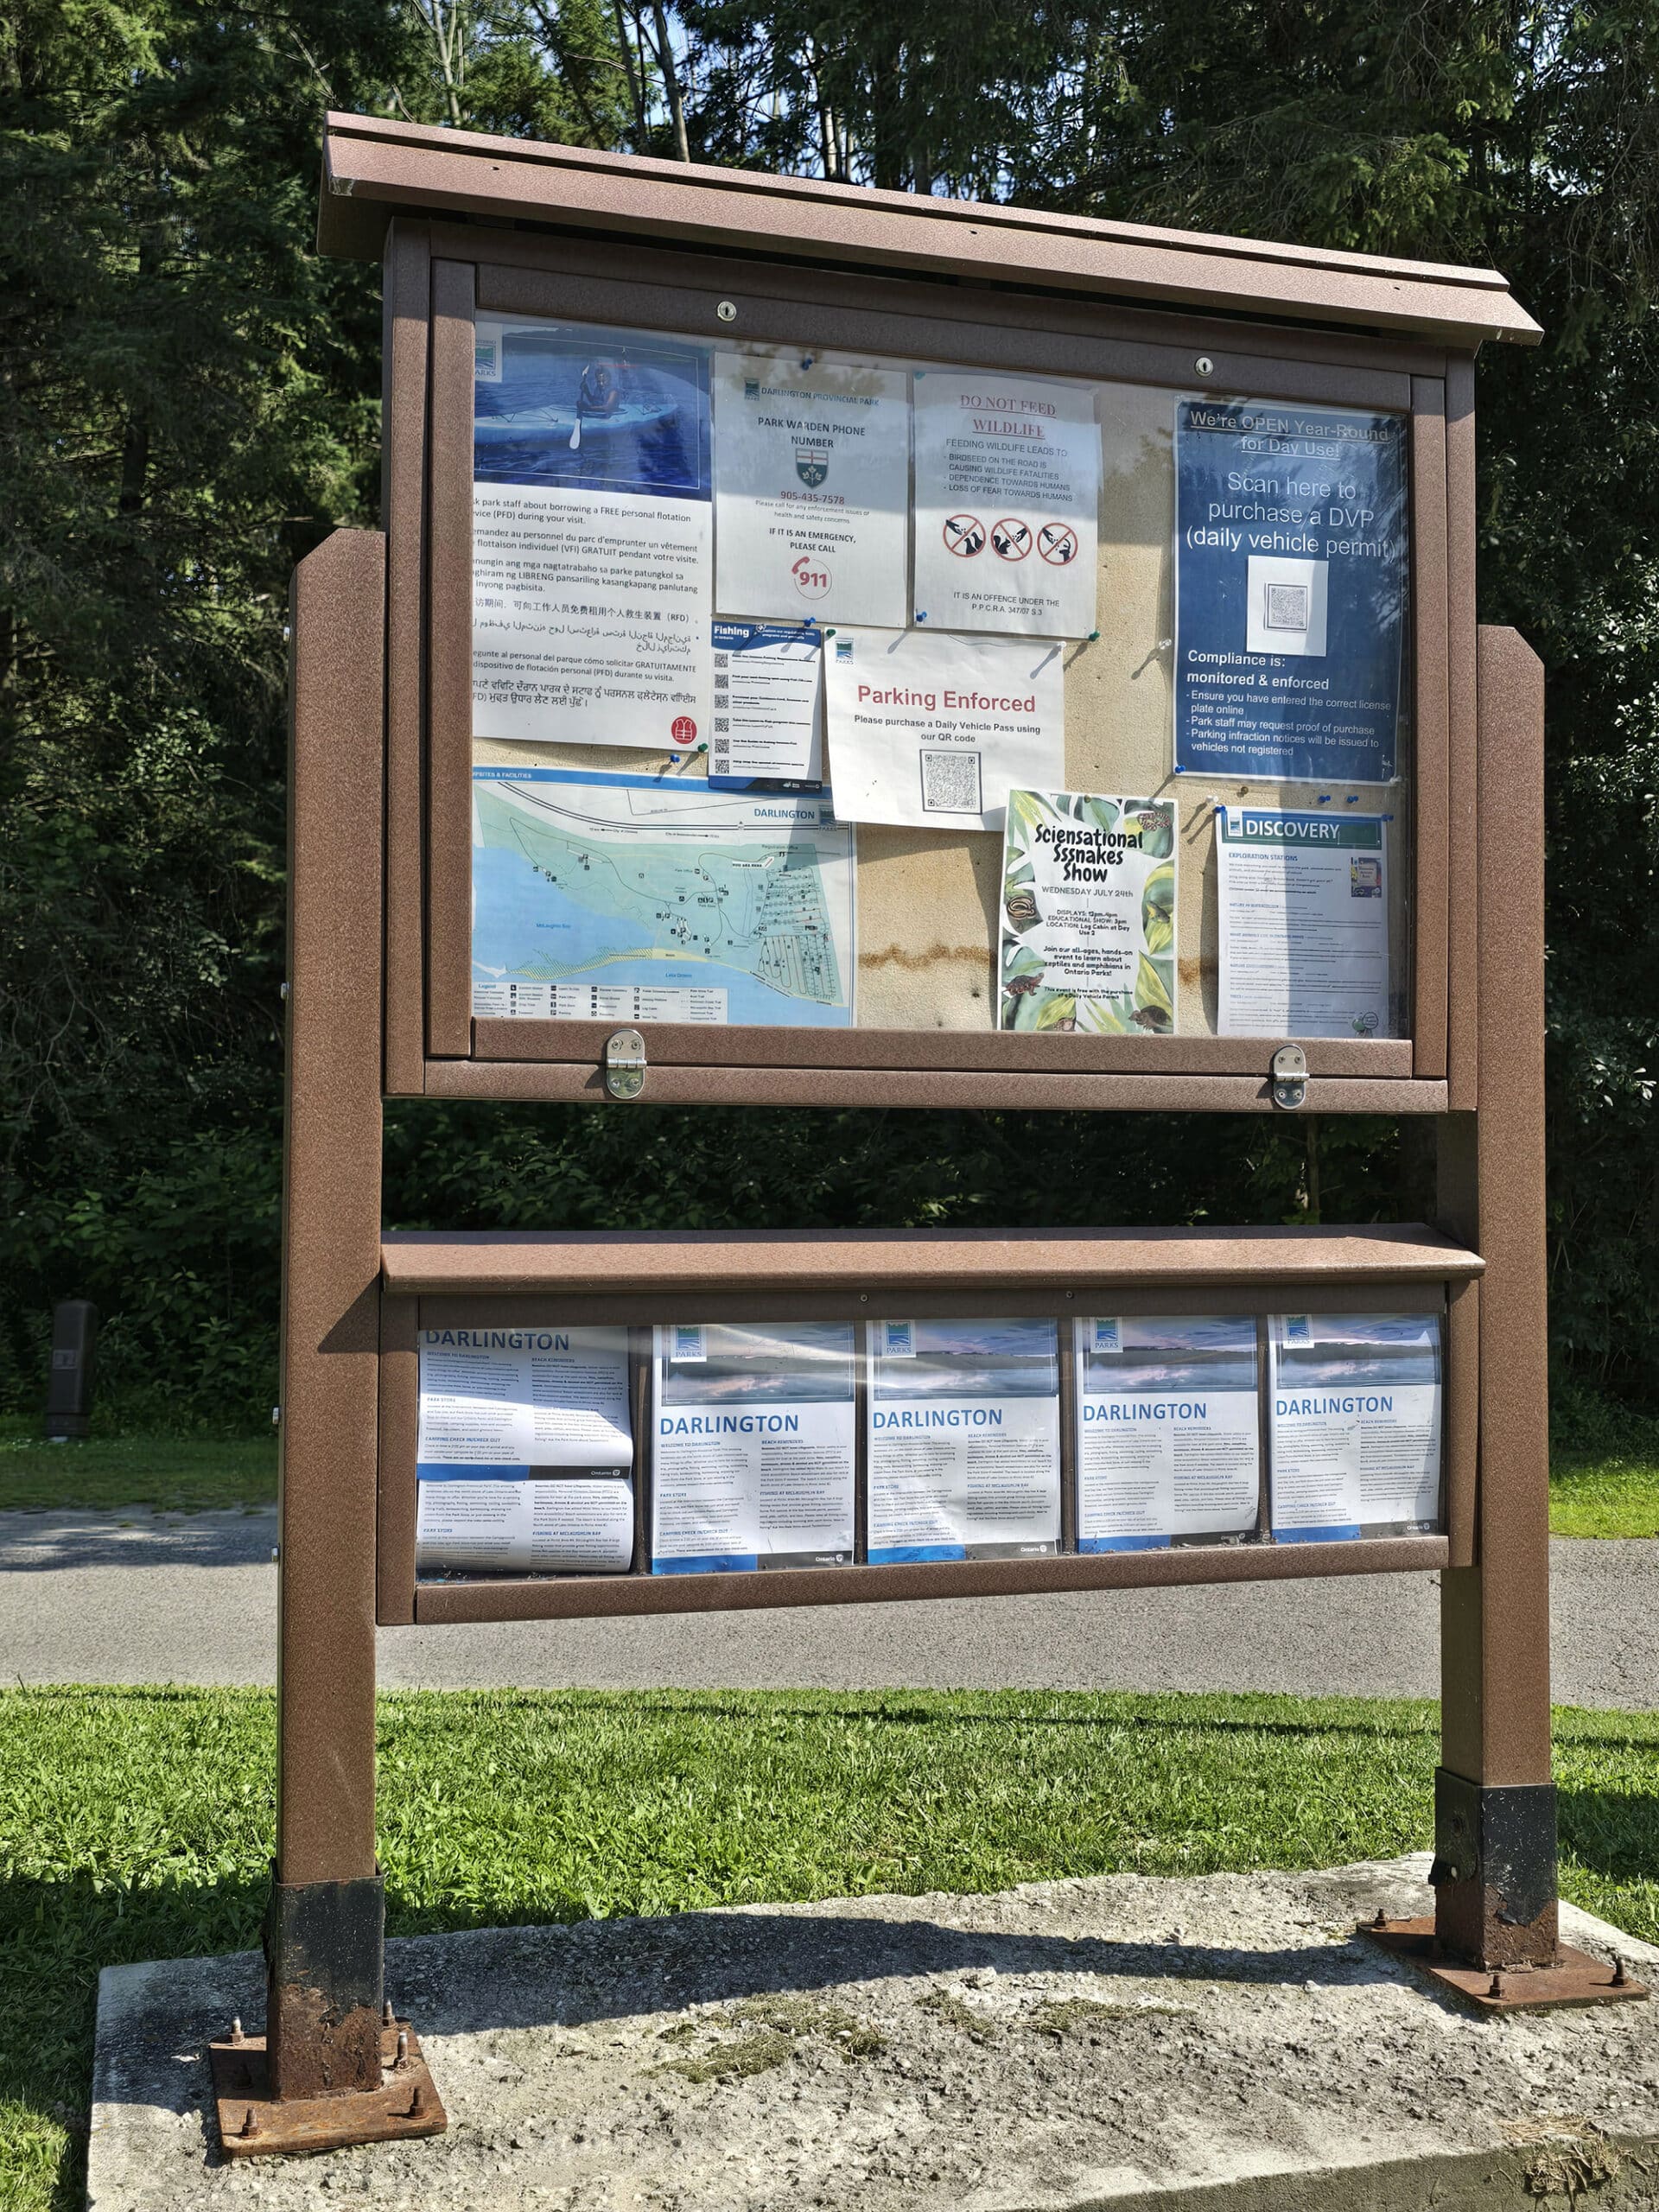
<point>103,1598</point>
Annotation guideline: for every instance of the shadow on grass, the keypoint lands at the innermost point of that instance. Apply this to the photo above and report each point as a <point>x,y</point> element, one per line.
<point>1611,1831</point>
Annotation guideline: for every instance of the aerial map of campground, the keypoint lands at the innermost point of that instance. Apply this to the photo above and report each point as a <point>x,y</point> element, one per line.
<point>637,898</point>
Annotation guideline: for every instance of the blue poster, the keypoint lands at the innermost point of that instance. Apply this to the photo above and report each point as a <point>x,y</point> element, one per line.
<point>1290,591</point>
<point>606,410</point>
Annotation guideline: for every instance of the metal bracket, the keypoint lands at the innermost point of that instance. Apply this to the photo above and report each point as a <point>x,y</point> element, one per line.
<point>1289,1076</point>
<point>625,1063</point>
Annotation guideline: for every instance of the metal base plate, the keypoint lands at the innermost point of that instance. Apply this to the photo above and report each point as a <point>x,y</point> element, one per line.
<point>253,2125</point>
<point>1575,1978</point>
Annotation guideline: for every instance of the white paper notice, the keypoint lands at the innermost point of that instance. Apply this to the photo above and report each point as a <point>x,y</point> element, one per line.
<point>964,1440</point>
<point>811,479</point>
<point>932,732</point>
<point>1304,904</point>
<point>1356,1425</point>
<point>1167,1432</point>
<point>590,617</point>
<point>515,1399</point>
<point>754,1436</point>
<point>768,719</point>
<point>1007,497</point>
<point>475,1524</point>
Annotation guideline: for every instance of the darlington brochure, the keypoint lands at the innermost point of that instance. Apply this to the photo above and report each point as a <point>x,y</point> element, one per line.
<point>963,1423</point>
<point>1356,1425</point>
<point>525,1450</point>
<point>1167,1431</point>
<point>754,1439</point>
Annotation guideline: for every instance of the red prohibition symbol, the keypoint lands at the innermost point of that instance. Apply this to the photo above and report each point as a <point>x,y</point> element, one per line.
<point>1011,537</point>
<point>964,536</point>
<point>1058,543</point>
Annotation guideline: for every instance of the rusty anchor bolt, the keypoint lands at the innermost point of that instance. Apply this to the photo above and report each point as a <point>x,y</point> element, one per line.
<point>1497,1989</point>
<point>236,2029</point>
<point>416,2103</point>
<point>1619,1980</point>
<point>401,2059</point>
<point>249,2126</point>
<point>388,2018</point>
<point>1382,1920</point>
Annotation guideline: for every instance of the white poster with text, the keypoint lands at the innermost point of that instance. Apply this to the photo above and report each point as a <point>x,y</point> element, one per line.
<point>1168,1425</point>
<point>1356,1426</point>
<point>963,1421</point>
<point>931,732</point>
<point>1007,497</point>
<point>811,480</point>
<point>753,1441</point>
<point>512,1400</point>
<point>1304,901</point>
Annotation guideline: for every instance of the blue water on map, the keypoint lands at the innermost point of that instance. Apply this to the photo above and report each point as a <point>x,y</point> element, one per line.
<point>521,920</point>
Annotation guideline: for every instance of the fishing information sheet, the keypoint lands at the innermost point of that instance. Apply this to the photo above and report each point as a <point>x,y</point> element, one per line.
<point>963,1423</point>
<point>753,1441</point>
<point>1168,1431</point>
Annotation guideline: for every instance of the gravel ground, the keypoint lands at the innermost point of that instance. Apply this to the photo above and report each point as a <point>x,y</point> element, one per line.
<point>138,1597</point>
<point>1161,2044</point>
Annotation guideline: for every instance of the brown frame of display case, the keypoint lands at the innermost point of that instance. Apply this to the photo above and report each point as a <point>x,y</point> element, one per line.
<point>378,1008</point>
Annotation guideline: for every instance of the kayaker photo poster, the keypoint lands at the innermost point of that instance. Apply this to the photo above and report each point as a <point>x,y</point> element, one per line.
<point>1356,1425</point>
<point>964,1425</point>
<point>1291,586</point>
<point>1088,924</point>
<point>1304,913</point>
<point>931,731</point>
<point>811,488</point>
<point>1168,1424</point>
<point>1007,502</point>
<point>592,536</point>
<point>753,1446</point>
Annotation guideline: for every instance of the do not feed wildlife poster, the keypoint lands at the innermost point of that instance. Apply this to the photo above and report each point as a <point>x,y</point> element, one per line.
<point>1088,924</point>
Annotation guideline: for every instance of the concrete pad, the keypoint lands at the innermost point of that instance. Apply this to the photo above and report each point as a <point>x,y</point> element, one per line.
<point>1222,2044</point>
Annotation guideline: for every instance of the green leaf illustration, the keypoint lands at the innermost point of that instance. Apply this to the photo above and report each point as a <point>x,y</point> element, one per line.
<point>1059,1010</point>
<point>1158,910</point>
<point>1101,813</point>
<point>1104,1017</point>
<point>1152,987</point>
<point>1020,960</point>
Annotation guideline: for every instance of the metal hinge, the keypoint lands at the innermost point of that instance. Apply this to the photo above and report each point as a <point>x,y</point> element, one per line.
<point>1289,1075</point>
<point>625,1063</point>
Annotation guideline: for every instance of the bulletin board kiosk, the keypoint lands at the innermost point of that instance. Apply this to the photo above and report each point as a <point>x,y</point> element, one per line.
<point>848,648</point>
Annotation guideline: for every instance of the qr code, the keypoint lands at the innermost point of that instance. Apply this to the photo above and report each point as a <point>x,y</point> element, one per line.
<point>722,683</point>
<point>721,756</point>
<point>1286,607</point>
<point>722,660</point>
<point>722,725</point>
<point>950,783</point>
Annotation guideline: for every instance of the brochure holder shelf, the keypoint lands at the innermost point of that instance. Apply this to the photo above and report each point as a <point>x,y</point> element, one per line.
<point>494,1284</point>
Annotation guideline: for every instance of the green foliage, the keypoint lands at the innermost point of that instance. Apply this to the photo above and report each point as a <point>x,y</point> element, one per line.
<point>136,1824</point>
<point>189,404</point>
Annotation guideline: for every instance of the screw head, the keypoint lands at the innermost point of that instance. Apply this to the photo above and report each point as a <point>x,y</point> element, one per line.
<point>726,311</point>
<point>1204,365</point>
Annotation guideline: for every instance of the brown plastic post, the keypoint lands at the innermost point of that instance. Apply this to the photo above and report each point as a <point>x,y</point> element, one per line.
<point>323,1936</point>
<point>1495,1812</point>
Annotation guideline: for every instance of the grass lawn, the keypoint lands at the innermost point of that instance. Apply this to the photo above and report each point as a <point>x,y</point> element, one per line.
<point>171,1474</point>
<point>137,1823</point>
<point>1596,1492</point>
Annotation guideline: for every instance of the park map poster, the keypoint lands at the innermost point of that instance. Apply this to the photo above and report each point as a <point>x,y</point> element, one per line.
<point>630,899</point>
<point>1290,591</point>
